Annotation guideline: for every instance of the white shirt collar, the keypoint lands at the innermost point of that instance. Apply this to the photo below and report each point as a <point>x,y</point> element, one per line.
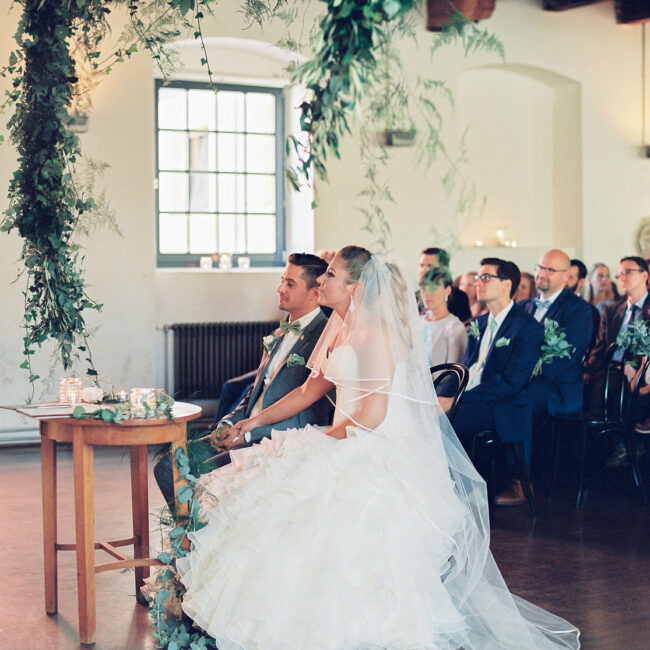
<point>501,316</point>
<point>552,298</point>
<point>308,318</point>
<point>638,303</point>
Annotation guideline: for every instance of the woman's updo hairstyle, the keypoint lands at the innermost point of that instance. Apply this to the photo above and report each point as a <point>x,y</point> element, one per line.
<point>356,257</point>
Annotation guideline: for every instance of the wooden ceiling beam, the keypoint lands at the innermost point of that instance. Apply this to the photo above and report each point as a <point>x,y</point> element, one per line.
<point>562,5</point>
<point>632,11</point>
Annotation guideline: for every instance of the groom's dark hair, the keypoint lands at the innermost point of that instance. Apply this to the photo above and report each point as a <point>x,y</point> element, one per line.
<point>312,267</point>
<point>505,271</point>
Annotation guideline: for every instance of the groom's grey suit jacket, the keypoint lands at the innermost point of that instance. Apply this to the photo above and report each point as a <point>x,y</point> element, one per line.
<point>285,380</point>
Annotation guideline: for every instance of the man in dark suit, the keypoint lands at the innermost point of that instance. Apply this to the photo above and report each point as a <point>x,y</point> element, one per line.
<point>575,283</point>
<point>558,389</point>
<point>282,368</point>
<point>457,302</point>
<point>501,353</point>
<point>632,277</point>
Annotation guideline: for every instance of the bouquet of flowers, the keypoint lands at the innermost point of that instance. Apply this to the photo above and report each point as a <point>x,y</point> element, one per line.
<point>636,339</point>
<point>555,345</point>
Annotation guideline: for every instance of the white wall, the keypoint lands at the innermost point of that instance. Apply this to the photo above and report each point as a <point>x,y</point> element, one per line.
<point>609,193</point>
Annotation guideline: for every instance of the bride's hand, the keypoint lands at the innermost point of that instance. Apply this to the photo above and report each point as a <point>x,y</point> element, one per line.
<point>336,432</point>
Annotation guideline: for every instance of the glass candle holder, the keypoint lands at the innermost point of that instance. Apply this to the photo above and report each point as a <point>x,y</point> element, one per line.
<point>140,397</point>
<point>70,390</point>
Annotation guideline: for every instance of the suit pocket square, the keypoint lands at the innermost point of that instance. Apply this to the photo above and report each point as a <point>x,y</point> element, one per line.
<point>502,342</point>
<point>295,360</point>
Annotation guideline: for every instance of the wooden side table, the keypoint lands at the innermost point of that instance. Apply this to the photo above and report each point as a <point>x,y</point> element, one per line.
<point>84,435</point>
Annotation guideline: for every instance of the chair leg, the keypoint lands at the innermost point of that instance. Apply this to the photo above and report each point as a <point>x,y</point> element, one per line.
<point>634,466</point>
<point>555,435</point>
<point>524,477</point>
<point>583,463</point>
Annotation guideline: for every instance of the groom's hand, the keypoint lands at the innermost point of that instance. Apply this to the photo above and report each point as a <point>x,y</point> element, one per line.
<point>217,436</point>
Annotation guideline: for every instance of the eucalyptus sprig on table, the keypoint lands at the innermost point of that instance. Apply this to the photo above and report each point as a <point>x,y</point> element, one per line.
<point>119,411</point>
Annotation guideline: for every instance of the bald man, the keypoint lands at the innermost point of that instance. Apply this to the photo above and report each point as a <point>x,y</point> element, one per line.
<point>559,388</point>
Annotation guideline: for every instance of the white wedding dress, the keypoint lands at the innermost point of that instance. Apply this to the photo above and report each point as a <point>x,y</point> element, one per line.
<point>365,543</point>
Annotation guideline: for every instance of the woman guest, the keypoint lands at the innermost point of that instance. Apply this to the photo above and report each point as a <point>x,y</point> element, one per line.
<point>527,288</point>
<point>445,338</point>
<point>466,284</point>
<point>601,288</point>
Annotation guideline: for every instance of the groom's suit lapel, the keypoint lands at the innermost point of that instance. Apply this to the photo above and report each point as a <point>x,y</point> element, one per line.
<point>301,341</point>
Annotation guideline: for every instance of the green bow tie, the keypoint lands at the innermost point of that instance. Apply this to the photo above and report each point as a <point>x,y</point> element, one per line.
<point>286,327</point>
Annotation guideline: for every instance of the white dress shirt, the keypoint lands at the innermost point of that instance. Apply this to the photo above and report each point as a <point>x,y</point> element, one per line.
<point>279,358</point>
<point>540,312</point>
<point>476,370</point>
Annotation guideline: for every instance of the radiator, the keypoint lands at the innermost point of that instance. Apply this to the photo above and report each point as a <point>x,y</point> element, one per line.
<point>205,355</point>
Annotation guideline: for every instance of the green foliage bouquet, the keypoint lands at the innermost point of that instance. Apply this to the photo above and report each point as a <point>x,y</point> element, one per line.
<point>636,339</point>
<point>555,346</point>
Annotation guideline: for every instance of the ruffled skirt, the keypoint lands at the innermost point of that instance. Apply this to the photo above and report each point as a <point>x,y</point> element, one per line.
<point>313,543</point>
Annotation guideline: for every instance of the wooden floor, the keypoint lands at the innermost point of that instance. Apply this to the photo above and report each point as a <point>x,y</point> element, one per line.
<point>592,566</point>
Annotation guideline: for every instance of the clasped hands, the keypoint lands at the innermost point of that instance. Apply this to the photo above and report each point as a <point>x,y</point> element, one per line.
<point>226,437</point>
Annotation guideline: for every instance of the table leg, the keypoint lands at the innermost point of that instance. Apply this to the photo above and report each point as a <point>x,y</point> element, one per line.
<point>48,471</point>
<point>85,534</point>
<point>181,509</point>
<point>140,512</point>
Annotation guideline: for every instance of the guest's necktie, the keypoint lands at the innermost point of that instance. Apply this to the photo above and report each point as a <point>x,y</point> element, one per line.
<point>483,352</point>
<point>286,327</point>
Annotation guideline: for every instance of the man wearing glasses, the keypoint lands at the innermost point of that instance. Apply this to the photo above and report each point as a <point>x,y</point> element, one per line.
<point>501,353</point>
<point>617,316</point>
<point>559,387</point>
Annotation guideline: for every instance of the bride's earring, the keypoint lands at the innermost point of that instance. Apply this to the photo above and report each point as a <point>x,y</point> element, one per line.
<point>351,308</point>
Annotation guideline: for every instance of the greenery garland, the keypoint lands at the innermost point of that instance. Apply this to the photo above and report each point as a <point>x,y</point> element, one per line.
<point>44,205</point>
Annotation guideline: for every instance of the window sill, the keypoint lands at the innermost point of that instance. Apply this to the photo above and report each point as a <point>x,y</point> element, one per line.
<point>234,271</point>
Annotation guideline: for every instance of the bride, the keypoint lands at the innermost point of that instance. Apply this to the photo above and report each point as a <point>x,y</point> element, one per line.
<point>372,534</point>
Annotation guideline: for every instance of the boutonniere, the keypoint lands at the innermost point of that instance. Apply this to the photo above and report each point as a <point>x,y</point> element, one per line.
<point>269,341</point>
<point>502,342</point>
<point>474,330</point>
<point>295,360</point>
<point>555,345</point>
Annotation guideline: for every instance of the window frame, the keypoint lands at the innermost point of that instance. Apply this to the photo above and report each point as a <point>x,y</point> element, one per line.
<point>191,260</point>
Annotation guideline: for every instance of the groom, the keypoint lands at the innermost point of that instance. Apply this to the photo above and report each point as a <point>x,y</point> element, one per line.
<point>282,368</point>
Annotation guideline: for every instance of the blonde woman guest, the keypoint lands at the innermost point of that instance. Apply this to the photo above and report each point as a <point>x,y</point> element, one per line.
<point>601,289</point>
<point>527,288</point>
<point>466,284</point>
<point>444,334</point>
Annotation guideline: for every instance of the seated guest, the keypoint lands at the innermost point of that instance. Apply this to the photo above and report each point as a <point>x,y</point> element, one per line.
<point>576,283</point>
<point>558,389</point>
<point>526,287</point>
<point>458,303</point>
<point>282,368</point>
<point>617,316</point>
<point>601,289</point>
<point>444,335</point>
<point>466,284</point>
<point>502,351</point>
